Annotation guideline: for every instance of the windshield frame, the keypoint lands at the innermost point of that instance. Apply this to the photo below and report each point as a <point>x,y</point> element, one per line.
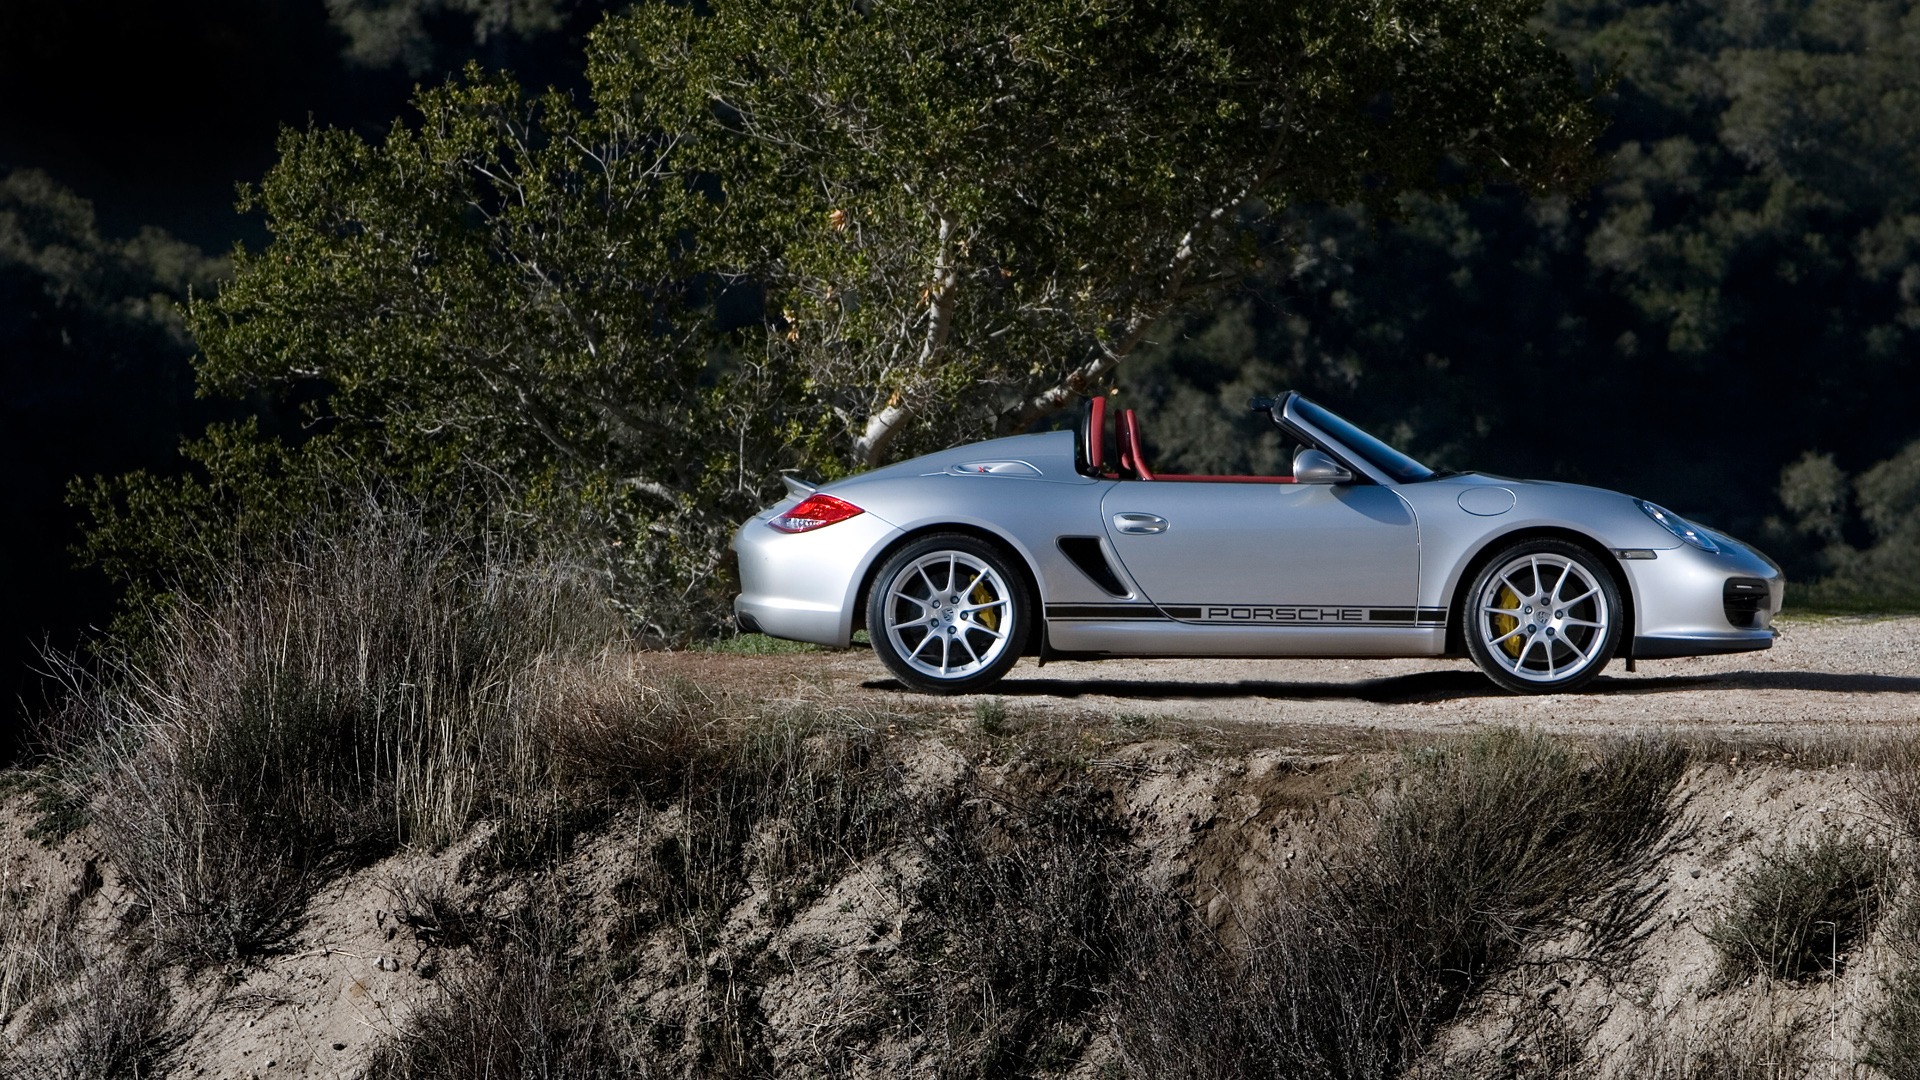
<point>1319,425</point>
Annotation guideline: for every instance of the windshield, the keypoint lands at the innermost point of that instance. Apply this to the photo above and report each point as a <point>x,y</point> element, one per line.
<point>1378,454</point>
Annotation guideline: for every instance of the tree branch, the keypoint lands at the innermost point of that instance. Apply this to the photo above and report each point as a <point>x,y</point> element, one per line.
<point>884,424</point>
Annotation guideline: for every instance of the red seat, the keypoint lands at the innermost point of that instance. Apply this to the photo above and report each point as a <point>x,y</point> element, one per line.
<point>1095,435</point>
<point>1131,459</point>
<point>1133,462</point>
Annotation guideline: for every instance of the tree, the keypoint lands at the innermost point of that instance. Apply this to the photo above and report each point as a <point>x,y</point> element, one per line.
<point>975,211</point>
<point>1742,284</point>
<point>791,232</point>
<point>493,314</point>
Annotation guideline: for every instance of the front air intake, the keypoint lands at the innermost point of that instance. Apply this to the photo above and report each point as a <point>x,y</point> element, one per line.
<point>1745,599</point>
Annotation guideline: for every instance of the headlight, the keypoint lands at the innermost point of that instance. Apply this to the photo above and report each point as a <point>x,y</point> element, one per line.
<point>1678,526</point>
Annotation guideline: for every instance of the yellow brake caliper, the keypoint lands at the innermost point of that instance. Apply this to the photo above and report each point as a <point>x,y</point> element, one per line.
<point>1504,624</point>
<point>987,617</point>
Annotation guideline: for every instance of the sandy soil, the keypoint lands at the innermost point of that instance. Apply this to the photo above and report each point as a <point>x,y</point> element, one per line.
<point>1858,673</point>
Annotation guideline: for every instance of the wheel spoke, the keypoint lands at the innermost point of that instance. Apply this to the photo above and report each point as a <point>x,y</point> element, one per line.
<point>967,645</point>
<point>1550,671</point>
<point>1582,622</point>
<point>1508,634</point>
<point>968,609</point>
<point>1584,655</point>
<point>915,654</point>
<point>917,602</point>
<point>1595,591</point>
<point>1512,612</point>
<point>1519,662</point>
<point>1558,585</point>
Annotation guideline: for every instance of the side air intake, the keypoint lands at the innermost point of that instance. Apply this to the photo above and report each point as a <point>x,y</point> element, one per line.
<point>1085,553</point>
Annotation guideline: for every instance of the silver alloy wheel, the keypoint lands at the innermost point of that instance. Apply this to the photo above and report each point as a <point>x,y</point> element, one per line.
<point>948,615</point>
<point>1543,618</point>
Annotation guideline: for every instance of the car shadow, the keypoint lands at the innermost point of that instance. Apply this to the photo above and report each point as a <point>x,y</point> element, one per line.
<point>1423,686</point>
<point>1429,686</point>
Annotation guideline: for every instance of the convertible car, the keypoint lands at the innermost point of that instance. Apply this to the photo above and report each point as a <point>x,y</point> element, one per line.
<point>1068,545</point>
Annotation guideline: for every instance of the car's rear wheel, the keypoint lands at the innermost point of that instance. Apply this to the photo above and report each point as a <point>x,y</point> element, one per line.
<point>949,614</point>
<point>1543,617</point>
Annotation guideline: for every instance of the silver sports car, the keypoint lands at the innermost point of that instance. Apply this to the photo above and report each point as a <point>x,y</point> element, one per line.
<point>1068,545</point>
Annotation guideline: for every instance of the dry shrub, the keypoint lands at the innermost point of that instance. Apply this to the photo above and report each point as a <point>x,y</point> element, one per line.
<point>1798,911</point>
<point>1895,787</point>
<point>1017,926</point>
<point>1477,848</point>
<point>1893,1026</point>
<point>523,1006</point>
<point>107,1023</point>
<point>38,949</point>
<point>1766,1041</point>
<point>777,804</point>
<point>335,700</point>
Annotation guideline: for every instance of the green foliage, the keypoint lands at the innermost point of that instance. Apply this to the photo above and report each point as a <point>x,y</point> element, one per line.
<point>1740,286</point>
<point>96,379</point>
<point>1801,909</point>
<point>402,33</point>
<point>968,213</point>
<point>1879,506</point>
<point>494,314</point>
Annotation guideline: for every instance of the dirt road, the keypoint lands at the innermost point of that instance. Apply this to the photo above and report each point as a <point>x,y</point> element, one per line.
<point>1824,674</point>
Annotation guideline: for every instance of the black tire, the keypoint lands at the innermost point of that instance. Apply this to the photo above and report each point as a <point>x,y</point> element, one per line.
<point>1543,617</point>
<point>916,604</point>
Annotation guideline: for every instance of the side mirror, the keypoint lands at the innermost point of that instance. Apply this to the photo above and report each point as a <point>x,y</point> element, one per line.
<point>1315,467</point>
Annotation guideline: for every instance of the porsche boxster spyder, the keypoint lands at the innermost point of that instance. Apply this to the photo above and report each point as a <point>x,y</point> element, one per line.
<point>1069,545</point>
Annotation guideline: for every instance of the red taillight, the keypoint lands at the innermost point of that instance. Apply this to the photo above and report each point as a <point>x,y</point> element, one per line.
<point>814,512</point>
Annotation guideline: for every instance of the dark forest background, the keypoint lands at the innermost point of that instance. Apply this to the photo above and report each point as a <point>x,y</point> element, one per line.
<point>1728,322</point>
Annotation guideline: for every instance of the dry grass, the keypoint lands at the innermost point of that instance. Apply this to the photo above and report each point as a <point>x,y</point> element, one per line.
<point>523,1007</point>
<point>1477,848</point>
<point>1017,925</point>
<point>334,701</point>
<point>107,1021</point>
<point>1799,911</point>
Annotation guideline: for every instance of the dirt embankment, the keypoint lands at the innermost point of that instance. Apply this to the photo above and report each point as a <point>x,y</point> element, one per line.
<point>961,930</point>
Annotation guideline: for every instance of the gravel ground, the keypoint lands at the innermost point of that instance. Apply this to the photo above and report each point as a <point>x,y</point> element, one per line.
<point>1857,673</point>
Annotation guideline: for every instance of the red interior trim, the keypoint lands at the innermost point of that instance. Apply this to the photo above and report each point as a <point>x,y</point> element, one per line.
<point>1139,462</point>
<point>1187,478</point>
<point>1097,435</point>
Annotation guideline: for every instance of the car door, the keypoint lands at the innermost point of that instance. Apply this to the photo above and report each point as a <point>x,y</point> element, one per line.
<point>1264,555</point>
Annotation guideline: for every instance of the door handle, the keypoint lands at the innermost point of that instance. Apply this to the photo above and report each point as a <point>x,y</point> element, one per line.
<point>1140,524</point>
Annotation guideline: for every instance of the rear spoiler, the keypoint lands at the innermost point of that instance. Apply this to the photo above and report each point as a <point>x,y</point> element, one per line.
<point>797,486</point>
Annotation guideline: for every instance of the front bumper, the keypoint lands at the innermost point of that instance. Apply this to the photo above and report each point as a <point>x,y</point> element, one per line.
<point>1682,603</point>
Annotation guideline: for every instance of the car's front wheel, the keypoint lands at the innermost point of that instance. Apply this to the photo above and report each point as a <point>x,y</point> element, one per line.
<point>948,614</point>
<point>1543,617</point>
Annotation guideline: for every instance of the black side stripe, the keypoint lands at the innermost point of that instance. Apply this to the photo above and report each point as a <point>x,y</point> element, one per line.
<point>1105,611</point>
<point>1254,614</point>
